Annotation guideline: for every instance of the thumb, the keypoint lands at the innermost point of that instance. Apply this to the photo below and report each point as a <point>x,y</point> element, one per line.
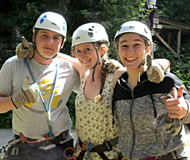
<point>24,42</point>
<point>149,60</point>
<point>26,80</point>
<point>180,92</point>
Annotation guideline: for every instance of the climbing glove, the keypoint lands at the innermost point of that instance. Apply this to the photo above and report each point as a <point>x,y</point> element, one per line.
<point>172,125</point>
<point>25,49</point>
<point>154,71</point>
<point>112,65</point>
<point>27,94</point>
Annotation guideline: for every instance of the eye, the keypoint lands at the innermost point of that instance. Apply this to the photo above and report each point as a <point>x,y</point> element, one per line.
<point>44,35</point>
<point>124,46</point>
<point>87,49</point>
<point>56,37</point>
<point>78,51</point>
<point>137,44</point>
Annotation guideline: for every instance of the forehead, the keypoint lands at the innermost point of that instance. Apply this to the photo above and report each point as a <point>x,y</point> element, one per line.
<point>131,37</point>
<point>46,31</point>
<point>83,45</point>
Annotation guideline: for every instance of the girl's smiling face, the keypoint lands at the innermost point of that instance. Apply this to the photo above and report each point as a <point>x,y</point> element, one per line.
<point>132,50</point>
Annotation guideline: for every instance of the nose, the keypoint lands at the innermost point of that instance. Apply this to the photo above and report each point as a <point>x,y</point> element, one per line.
<point>130,49</point>
<point>50,40</point>
<point>82,54</point>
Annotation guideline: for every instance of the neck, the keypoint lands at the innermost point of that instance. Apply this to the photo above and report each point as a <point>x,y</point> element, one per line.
<point>98,72</point>
<point>134,75</point>
<point>41,60</point>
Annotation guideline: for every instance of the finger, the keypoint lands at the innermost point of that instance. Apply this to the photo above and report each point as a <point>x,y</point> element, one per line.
<point>149,60</point>
<point>24,42</point>
<point>173,92</point>
<point>180,92</point>
<point>26,80</point>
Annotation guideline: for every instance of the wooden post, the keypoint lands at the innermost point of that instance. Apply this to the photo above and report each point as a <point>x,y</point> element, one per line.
<point>179,41</point>
<point>164,42</point>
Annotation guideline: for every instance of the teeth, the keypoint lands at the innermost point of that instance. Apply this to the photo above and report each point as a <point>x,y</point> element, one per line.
<point>130,59</point>
<point>85,62</point>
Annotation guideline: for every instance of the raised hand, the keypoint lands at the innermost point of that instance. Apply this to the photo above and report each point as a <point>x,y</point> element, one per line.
<point>25,49</point>
<point>154,71</point>
<point>29,93</point>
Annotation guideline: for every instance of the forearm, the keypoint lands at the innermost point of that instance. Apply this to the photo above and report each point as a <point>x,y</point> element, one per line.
<point>6,104</point>
<point>74,61</point>
<point>164,63</point>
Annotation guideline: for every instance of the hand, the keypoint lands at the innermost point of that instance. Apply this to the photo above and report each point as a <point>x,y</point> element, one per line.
<point>27,94</point>
<point>112,65</point>
<point>174,100</point>
<point>154,71</point>
<point>177,106</point>
<point>172,125</point>
<point>25,49</point>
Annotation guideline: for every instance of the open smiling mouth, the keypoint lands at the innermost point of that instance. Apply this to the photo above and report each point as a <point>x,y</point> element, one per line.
<point>85,62</point>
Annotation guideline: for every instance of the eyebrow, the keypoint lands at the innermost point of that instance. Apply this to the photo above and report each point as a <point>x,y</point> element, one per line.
<point>133,40</point>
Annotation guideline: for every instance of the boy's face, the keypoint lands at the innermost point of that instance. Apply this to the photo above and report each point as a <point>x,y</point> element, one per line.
<point>48,42</point>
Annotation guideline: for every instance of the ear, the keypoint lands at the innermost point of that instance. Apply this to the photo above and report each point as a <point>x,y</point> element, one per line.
<point>103,49</point>
<point>148,49</point>
<point>63,44</point>
<point>33,38</point>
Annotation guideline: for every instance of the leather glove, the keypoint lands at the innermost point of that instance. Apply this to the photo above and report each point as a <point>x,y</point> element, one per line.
<point>154,71</point>
<point>25,49</point>
<point>27,94</point>
<point>172,125</point>
<point>112,65</point>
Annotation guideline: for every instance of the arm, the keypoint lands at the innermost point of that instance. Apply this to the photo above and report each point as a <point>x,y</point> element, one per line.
<point>74,61</point>
<point>5,103</point>
<point>156,69</point>
<point>164,63</point>
<point>26,94</point>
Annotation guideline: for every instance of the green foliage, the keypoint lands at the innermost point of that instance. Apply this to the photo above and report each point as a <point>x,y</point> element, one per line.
<point>180,64</point>
<point>71,107</point>
<point>6,120</point>
<point>177,10</point>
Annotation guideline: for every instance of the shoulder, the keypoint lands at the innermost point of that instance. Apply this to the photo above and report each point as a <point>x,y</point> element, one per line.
<point>118,74</point>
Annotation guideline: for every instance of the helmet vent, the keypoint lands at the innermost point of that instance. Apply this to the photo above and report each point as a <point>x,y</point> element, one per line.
<point>131,26</point>
<point>43,18</point>
<point>53,23</point>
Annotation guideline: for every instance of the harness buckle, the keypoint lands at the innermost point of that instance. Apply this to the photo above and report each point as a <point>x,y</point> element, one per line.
<point>108,145</point>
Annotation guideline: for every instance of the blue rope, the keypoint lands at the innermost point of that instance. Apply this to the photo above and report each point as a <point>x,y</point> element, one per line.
<point>47,109</point>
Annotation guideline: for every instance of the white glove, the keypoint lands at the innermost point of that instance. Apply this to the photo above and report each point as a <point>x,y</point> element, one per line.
<point>154,71</point>
<point>27,94</point>
<point>112,65</point>
<point>25,49</point>
<point>172,125</point>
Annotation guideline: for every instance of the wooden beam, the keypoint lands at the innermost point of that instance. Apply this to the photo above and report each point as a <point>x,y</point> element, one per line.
<point>164,42</point>
<point>174,23</point>
<point>179,41</point>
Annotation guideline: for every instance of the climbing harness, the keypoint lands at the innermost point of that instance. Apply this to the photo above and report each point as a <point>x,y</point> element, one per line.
<point>100,149</point>
<point>47,109</point>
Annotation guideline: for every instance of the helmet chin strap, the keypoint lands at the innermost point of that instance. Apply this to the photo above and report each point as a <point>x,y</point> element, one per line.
<point>98,62</point>
<point>142,63</point>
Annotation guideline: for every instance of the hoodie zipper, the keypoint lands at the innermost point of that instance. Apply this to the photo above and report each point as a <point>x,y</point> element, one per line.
<point>131,117</point>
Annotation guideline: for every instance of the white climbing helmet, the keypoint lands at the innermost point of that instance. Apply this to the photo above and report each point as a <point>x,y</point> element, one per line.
<point>134,27</point>
<point>53,22</point>
<point>89,32</point>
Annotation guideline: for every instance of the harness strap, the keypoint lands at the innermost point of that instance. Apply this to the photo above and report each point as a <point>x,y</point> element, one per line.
<point>100,149</point>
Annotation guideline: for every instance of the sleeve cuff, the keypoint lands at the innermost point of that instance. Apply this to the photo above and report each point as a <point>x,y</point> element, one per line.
<point>186,119</point>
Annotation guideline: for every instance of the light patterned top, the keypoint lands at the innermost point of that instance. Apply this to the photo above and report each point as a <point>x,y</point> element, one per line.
<point>94,120</point>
